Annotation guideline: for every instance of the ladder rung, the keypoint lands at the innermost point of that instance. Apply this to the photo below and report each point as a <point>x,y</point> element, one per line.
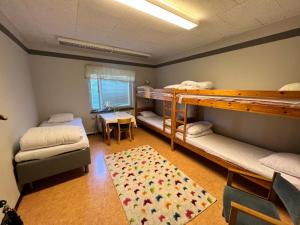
<point>180,111</point>
<point>167,125</point>
<point>167,117</point>
<point>179,121</point>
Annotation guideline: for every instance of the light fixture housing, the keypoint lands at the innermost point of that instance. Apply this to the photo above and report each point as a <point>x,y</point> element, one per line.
<point>99,47</point>
<point>163,11</point>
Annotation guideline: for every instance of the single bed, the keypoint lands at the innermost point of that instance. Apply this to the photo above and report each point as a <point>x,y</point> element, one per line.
<point>238,153</point>
<point>32,165</point>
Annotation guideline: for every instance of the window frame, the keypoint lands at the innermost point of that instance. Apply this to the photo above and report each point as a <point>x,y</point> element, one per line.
<point>131,85</point>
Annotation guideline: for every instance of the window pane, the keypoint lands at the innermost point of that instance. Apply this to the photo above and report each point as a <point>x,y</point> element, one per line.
<point>95,100</point>
<point>117,93</point>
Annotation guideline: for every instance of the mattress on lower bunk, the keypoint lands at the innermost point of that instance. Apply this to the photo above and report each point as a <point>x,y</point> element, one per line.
<point>43,153</point>
<point>155,121</point>
<point>242,154</point>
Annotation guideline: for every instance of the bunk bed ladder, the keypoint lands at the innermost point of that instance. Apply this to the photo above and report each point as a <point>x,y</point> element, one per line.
<point>181,122</point>
<point>176,122</point>
<point>166,114</point>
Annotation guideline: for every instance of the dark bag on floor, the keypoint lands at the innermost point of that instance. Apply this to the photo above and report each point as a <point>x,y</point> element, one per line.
<point>10,215</point>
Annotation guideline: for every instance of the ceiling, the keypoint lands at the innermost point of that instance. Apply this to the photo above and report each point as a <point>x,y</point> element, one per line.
<point>108,22</point>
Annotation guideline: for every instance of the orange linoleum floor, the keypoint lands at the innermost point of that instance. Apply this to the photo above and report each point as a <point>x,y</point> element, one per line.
<point>91,199</point>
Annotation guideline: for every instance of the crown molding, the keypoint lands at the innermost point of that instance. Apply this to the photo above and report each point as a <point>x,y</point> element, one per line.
<point>246,44</point>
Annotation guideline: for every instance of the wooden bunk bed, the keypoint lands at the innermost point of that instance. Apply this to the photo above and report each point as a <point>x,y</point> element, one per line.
<point>277,103</point>
<point>164,95</point>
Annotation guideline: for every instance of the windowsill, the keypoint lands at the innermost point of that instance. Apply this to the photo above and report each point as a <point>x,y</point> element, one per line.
<point>107,111</point>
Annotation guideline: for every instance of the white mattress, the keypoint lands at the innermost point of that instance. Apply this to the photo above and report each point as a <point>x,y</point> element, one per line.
<point>242,154</point>
<point>277,102</point>
<point>155,121</point>
<point>43,153</point>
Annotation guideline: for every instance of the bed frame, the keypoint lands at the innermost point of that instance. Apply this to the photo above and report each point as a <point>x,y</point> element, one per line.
<point>275,110</point>
<point>33,170</point>
<point>164,95</point>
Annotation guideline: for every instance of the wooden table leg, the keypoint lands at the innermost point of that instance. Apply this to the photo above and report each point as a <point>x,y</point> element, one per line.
<point>108,133</point>
<point>103,130</point>
<point>132,131</point>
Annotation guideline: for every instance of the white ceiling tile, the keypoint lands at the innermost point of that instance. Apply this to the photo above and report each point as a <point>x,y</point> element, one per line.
<point>201,9</point>
<point>17,13</point>
<point>55,17</point>
<point>111,23</point>
<point>89,17</point>
<point>240,18</point>
<point>290,7</point>
<point>266,11</point>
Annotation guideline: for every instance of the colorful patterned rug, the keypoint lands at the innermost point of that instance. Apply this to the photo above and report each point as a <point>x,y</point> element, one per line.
<point>152,190</point>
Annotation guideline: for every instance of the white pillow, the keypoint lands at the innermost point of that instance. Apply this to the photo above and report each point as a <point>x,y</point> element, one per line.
<point>148,114</point>
<point>197,127</point>
<point>61,118</point>
<point>291,87</point>
<point>288,163</point>
<point>168,122</point>
<point>207,132</point>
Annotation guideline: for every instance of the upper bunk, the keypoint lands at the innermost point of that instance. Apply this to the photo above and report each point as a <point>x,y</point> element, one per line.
<point>156,94</point>
<point>279,103</point>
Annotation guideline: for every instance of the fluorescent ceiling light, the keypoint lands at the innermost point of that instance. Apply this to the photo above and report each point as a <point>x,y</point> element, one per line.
<point>157,9</point>
<point>98,47</point>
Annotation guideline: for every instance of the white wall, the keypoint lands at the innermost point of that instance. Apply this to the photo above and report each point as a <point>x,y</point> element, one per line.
<point>265,67</point>
<point>60,86</point>
<point>18,104</point>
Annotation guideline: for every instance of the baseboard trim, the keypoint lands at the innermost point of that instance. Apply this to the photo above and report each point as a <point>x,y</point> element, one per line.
<point>19,200</point>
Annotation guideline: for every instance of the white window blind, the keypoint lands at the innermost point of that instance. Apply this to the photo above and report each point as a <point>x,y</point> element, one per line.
<point>110,87</point>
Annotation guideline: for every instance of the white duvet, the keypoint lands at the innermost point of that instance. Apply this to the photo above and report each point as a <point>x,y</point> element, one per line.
<point>42,153</point>
<point>43,137</point>
<point>192,85</point>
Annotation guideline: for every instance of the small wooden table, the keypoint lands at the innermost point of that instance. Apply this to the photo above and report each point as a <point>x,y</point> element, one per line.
<point>107,119</point>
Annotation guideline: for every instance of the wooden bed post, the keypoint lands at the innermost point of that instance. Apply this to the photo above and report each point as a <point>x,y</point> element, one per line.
<point>184,122</point>
<point>164,116</point>
<point>135,103</point>
<point>173,119</point>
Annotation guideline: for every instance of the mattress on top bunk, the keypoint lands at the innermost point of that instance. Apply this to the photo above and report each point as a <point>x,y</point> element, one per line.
<point>155,93</point>
<point>155,121</point>
<point>276,102</point>
<point>242,154</point>
<point>43,153</point>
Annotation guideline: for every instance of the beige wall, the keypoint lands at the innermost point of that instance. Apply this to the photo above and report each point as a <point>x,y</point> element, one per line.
<point>18,104</point>
<point>266,67</point>
<point>60,86</point>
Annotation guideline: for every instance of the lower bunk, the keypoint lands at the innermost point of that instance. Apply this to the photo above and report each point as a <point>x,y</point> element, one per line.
<point>155,122</point>
<point>224,151</point>
<point>231,153</point>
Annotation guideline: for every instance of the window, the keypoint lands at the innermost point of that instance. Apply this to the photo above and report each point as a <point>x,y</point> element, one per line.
<point>110,87</point>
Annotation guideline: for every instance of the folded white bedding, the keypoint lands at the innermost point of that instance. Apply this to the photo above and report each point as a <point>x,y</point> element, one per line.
<point>199,85</point>
<point>175,86</point>
<point>191,85</point>
<point>43,137</point>
<point>291,87</point>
